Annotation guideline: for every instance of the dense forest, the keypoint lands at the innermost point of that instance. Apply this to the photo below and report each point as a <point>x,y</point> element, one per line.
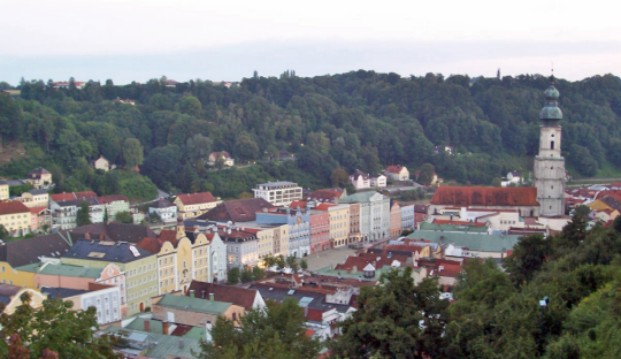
<point>557,297</point>
<point>332,124</point>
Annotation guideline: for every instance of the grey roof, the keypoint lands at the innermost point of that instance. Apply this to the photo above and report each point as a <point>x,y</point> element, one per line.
<point>117,232</point>
<point>106,251</point>
<point>479,242</point>
<point>309,299</point>
<point>26,251</point>
<point>359,197</point>
<point>61,293</point>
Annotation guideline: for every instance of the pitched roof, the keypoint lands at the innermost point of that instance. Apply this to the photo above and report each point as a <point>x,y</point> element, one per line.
<point>464,196</point>
<point>117,232</point>
<point>73,196</point>
<point>113,198</point>
<point>37,172</point>
<point>162,203</point>
<point>479,242</point>
<point>224,293</point>
<point>196,198</point>
<point>59,269</point>
<point>396,169</point>
<point>197,305</point>
<point>27,251</point>
<point>106,251</point>
<point>326,195</point>
<point>12,207</point>
<point>237,210</point>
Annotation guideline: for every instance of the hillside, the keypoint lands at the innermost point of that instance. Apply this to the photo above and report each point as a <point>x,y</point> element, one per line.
<point>360,119</point>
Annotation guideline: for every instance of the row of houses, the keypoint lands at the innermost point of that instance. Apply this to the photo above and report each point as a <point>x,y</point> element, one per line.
<point>130,257</point>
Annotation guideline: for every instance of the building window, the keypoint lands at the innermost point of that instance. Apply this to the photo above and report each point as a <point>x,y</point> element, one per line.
<point>551,145</point>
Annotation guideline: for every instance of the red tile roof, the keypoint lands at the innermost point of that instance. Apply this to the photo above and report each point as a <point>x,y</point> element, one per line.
<point>59,197</point>
<point>113,198</point>
<point>324,206</point>
<point>224,293</point>
<point>12,207</point>
<point>196,198</point>
<point>396,169</point>
<point>326,195</point>
<point>363,259</point>
<point>458,223</point>
<point>485,196</point>
<point>237,210</point>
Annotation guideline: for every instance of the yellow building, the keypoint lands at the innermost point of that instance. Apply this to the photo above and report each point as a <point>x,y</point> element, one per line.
<point>34,198</point>
<point>15,217</point>
<point>181,258</point>
<point>15,254</point>
<point>339,222</point>
<point>4,191</point>
<point>192,205</point>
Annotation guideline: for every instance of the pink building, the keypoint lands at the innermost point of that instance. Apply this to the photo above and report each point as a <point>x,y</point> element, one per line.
<point>319,227</point>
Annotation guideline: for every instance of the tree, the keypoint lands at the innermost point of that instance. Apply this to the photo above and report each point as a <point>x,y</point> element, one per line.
<point>528,256</point>
<point>124,217</point>
<point>132,153</point>
<point>233,276</point>
<point>258,273</point>
<point>426,173</point>
<point>190,105</point>
<point>575,231</point>
<point>4,234</point>
<point>395,320</point>
<point>303,264</point>
<point>54,329</point>
<point>339,177</point>
<point>83,217</point>
<point>277,332</point>
<point>292,263</point>
<point>246,275</point>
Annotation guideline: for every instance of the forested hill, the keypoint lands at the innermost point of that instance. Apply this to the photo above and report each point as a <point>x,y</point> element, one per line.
<point>360,119</point>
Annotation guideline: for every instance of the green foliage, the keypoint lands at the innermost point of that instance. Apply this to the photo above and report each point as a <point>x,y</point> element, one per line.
<point>16,191</point>
<point>360,119</point>
<point>52,329</point>
<point>4,234</point>
<point>233,276</point>
<point>278,332</point>
<point>246,275</point>
<point>132,153</point>
<point>83,217</point>
<point>395,319</point>
<point>124,217</point>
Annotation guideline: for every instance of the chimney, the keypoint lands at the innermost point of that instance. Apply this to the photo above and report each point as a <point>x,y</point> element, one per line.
<point>211,297</point>
<point>181,343</point>
<point>203,294</point>
<point>87,236</point>
<point>192,293</point>
<point>165,328</point>
<point>101,236</point>
<point>147,325</point>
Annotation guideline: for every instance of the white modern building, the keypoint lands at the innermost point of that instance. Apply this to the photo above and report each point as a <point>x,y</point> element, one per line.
<point>280,193</point>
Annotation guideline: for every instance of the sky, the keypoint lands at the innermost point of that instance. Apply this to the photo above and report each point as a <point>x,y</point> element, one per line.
<point>137,40</point>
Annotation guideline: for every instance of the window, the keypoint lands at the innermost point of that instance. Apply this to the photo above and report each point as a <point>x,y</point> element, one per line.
<point>551,145</point>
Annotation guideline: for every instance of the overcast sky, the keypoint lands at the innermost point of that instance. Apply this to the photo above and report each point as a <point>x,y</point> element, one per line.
<point>126,40</point>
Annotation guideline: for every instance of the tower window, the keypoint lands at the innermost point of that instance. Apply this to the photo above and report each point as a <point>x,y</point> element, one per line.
<point>551,145</point>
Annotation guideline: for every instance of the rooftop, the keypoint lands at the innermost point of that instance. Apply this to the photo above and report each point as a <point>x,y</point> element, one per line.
<point>465,196</point>
<point>59,269</point>
<point>119,252</point>
<point>197,305</point>
<point>479,242</point>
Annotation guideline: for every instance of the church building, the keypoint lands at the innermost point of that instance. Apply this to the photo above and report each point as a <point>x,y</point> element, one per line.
<point>545,200</point>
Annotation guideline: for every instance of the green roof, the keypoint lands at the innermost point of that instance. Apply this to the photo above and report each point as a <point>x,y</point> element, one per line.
<point>452,228</point>
<point>155,327</point>
<point>478,242</point>
<point>65,270</point>
<point>162,346</point>
<point>197,305</point>
<point>329,271</point>
<point>358,197</point>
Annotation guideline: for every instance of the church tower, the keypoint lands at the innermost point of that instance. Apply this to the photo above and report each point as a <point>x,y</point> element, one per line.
<point>549,166</point>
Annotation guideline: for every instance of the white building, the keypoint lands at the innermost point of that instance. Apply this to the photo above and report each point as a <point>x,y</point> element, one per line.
<point>280,193</point>
<point>374,214</point>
